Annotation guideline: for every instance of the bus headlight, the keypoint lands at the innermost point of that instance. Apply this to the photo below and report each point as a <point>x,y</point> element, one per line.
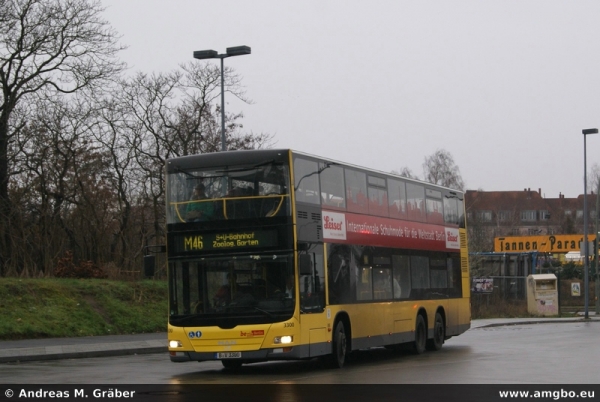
<point>283,339</point>
<point>174,344</point>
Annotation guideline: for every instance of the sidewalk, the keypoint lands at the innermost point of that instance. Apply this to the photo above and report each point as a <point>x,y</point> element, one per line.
<point>496,322</point>
<point>91,346</point>
<point>119,345</point>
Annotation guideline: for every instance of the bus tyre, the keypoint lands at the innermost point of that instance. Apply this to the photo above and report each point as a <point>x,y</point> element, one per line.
<point>439,334</point>
<point>339,347</point>
<point>231,364</point>
<point>420,335</point>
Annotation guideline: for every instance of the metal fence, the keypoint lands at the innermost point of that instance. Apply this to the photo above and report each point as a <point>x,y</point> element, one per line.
<point>505,287</point>
<point>506,295</point>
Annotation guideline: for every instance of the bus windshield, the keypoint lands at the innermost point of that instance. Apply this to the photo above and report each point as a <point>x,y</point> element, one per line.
<point>248,289</point>
<point>228,192</point>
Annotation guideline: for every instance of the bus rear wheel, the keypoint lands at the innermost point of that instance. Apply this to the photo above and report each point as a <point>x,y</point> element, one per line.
<point>420,335</point>
<point>339,347</point>
<point>439,334</point>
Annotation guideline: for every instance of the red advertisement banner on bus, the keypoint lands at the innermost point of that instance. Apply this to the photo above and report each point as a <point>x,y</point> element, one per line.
<point>351,228</point>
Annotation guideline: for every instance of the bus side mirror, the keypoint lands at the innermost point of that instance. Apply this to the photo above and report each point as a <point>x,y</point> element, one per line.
<point>305,261</point>
<point>149,265</point>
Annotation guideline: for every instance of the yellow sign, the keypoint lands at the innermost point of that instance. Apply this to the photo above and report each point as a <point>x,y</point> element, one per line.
<point>543,244</point>
<point>193,243</point>
<point>223,241</point>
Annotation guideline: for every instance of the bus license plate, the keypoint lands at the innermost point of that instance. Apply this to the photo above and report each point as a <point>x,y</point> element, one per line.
<point>229,355</point>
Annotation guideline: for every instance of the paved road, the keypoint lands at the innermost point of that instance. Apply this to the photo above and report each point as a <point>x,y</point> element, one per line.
<point>117,345</point>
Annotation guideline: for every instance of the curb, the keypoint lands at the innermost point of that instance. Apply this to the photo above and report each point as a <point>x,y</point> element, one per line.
<point>80,355</point>
<point>40,353</point>
<point>532,322</point>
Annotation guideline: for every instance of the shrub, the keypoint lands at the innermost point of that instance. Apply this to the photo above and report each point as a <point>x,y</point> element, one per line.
<point>66,268</point>
<point>570,270</point>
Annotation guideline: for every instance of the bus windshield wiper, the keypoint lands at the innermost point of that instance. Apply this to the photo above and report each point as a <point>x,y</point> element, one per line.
<point>267,313</point>
<point>183,317</point>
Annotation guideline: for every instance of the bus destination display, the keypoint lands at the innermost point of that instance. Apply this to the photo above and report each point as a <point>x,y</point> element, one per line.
<point>225,241</point>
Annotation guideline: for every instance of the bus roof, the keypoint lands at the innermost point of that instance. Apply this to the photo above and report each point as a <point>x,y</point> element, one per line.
<point>225,158</point>
<point>380,172</point>
<point>249,156</point>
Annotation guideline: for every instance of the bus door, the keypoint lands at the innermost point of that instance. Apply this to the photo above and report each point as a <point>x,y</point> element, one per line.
<point>373,285</point>
<point>311,287</point>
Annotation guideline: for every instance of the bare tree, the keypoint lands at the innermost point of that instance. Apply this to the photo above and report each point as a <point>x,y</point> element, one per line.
<point>70,206</point>
<point>406,172</point>
<point>59,46</point>
<point>85,166</point>
<point>594,179</point>
<point>440,168</point>
<point>594,185</point>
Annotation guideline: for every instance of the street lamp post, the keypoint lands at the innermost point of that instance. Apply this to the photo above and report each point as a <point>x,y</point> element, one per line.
<point>212,54</point>
<point>585,228</point>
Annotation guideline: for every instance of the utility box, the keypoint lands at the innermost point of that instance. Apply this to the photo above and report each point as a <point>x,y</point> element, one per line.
<point>542,294</point>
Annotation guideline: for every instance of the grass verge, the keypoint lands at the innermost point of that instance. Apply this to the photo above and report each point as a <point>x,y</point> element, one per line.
<point>40,308</point>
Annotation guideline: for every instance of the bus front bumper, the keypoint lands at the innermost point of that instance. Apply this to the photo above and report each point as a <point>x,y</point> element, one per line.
<point>289,353</point>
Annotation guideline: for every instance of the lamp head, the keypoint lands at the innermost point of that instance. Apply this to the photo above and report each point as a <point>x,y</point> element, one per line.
<point>238,50</point>
<point>205,54</point>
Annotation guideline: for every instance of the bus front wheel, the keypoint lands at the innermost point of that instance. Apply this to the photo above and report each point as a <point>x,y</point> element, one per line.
<point>420,335</point>
<point>339,347</point>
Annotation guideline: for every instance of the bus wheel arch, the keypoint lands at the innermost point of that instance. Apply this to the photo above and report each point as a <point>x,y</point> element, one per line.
<point>439,331</point>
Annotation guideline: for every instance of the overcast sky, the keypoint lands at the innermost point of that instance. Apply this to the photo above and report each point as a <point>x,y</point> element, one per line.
<point>505,86</point>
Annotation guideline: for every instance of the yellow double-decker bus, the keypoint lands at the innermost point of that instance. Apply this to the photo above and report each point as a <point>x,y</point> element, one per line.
<point>281,255</point>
